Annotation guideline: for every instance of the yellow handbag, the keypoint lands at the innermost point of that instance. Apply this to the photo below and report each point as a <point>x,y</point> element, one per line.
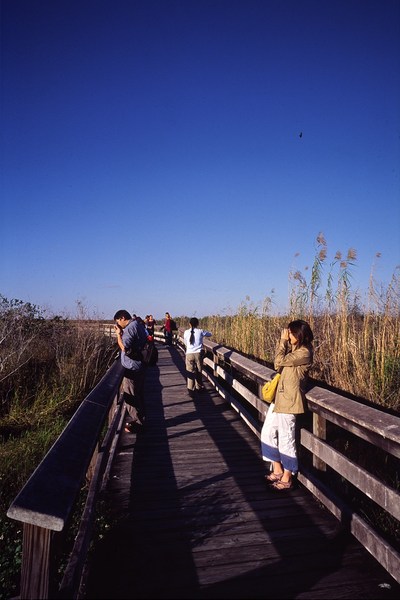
<point>269,388</point>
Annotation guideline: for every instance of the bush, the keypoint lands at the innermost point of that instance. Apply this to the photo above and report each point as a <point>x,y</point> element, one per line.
<point>48,366</point>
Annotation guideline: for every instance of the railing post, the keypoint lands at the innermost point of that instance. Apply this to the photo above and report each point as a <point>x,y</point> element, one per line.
<point>113,408</point>
<point>215,366</point>
<point>35,568</point>
<point>92,465</point>
<point>319,430</point>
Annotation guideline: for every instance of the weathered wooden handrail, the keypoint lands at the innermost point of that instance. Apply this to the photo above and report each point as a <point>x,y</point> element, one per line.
<point>46,502</point>
<point>224,368</point>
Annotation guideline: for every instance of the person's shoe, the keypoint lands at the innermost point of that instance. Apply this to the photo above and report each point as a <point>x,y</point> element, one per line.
<point>191,393</point>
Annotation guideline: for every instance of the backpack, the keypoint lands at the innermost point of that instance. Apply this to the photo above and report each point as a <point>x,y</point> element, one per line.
<point>150,354</point>
<point>173,325</point>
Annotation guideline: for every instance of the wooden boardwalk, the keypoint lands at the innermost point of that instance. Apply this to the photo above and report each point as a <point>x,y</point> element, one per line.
<point>193,517</point>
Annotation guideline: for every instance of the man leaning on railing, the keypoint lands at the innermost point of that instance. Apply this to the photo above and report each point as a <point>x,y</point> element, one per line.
<point>131,338</point>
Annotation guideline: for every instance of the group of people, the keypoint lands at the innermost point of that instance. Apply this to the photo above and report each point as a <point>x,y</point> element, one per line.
<point>293,360</point>
<point>149,324</point>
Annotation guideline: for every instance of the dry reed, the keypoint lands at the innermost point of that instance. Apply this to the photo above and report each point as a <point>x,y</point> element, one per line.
<point>357,345</point>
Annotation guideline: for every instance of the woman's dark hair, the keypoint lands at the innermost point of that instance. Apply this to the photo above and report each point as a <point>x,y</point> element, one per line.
<point>194,322</point>
<point>302,332</point>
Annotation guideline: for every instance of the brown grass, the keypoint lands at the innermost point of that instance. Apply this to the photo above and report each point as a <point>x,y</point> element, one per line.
<point>357,345</point>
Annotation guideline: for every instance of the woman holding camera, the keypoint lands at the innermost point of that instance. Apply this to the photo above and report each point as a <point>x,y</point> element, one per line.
<point>293,359</point>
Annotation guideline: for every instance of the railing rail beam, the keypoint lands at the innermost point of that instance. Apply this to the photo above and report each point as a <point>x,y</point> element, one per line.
<point>45,503</point>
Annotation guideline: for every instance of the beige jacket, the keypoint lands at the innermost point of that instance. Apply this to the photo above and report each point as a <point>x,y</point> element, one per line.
<point>294,364</point>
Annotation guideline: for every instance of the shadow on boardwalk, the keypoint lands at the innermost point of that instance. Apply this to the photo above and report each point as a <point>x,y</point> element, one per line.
<point>192,516</point>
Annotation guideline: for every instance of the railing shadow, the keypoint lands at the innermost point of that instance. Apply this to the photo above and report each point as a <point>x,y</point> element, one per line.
<point>150,552</point>
<point>129,557</point>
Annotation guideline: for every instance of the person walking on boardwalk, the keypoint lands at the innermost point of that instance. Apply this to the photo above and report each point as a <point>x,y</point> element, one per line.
<point>293,358</point>
<point>193,340</point>
<point>150,324</point>
<point>131,338</point>
<point>169,327</point>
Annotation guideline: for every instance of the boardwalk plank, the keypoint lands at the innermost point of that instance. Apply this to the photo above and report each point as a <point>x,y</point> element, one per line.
<point>193,517</point>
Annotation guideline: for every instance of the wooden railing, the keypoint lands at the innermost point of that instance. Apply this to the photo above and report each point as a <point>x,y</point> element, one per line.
<point>239,380</point>
<point>108,329</point>
<point>45,505</point>
<point>84,452</point>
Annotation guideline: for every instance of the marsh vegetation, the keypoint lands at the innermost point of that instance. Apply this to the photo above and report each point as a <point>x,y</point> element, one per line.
<point>49,365</point>
<point>357,342</point>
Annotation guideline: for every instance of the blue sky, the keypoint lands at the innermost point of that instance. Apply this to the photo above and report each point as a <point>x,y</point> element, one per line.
<point>152,158</point>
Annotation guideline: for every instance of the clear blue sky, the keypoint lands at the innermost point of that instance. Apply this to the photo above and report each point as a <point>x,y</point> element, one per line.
<point>152,158</point>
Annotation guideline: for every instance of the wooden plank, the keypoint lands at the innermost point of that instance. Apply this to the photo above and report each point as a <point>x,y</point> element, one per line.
<point>65,465</point>
<point>201,523</point>
<point>367,422</point>
<point>254,371</point>
<point>71,580</point>
<point>373,425</point>
<point>379,548</point>
<point>249,419</point>
<point>319,429</point>
<point>244,392</point>
<point>35,571</point>
<point>370,485</point>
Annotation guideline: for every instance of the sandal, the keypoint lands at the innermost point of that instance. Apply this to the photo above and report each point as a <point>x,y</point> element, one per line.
<point>273,477</point>
<point>280,486</point>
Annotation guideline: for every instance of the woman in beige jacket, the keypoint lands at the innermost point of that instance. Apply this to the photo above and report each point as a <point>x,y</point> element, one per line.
<point>293,359</point>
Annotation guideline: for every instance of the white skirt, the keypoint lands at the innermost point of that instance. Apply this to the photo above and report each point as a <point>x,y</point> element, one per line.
<point>278,439</point>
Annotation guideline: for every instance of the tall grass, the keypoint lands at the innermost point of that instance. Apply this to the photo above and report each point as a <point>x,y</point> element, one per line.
<point>48,366</point>
<point>357,344</point>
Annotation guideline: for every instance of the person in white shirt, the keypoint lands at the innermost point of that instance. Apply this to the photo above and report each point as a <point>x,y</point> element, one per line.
<point>193,340</point>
